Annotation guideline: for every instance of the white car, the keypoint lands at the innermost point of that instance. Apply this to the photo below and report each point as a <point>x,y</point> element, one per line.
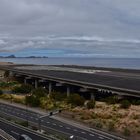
<point>24,137</point>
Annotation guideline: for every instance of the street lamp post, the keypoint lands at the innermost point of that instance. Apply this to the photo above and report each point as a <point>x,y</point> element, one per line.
<point>27,113</point>
<point>41,117</point>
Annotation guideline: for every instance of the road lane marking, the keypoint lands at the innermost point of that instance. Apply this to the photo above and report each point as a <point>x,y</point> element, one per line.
<point>101,138</point>
<point>60,126</point>
<point>67,128</point>
<point>83,132</point>
<point>15,133</point>
<point>54,124</point>
<point>75,130</point>
<point>92,135</point>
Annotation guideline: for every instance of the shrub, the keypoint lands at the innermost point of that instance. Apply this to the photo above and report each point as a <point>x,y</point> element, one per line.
<point>23,89</point>
<point>94,115</point>
<point>111,100</point>
<point>32,100</point>
<point>7,84</point>
<point>91,104</point>
<point>136,102</point>
<point>58,96</point>
<point>40,92</point>
<point>126,132</point>
<point>76,100</point>
<point>99,125</point>
<point>125,104</point>
<point>1,92</point>
<point>35,99</point>
<point>111,126</point>
<point>6,74</point>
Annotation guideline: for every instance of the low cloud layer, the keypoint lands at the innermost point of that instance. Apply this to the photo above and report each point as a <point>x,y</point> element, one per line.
<point>72,27</point>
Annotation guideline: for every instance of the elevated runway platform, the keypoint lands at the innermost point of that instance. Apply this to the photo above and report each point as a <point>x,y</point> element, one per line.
<point>120,81</point>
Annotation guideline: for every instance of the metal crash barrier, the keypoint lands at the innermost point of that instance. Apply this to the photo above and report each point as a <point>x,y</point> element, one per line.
<point>5,136</point>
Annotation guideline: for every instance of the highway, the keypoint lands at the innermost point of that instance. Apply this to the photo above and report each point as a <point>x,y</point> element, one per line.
<point>16,131</point>
<point>53,124</point>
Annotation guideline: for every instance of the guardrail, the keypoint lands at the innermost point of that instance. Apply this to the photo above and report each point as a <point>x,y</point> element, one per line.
<point>5,136</point>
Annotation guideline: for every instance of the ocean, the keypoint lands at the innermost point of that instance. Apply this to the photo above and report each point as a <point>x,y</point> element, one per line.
<point>128,63</point>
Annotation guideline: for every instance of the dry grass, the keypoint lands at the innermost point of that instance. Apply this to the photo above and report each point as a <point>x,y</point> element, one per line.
<point>109,116</point>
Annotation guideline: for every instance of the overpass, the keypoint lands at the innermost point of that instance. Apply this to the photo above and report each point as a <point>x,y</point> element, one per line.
<point>125,83</point>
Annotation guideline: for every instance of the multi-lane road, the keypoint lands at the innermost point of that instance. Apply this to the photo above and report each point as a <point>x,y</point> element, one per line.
<point>51,124</point>
<point>16,131</point>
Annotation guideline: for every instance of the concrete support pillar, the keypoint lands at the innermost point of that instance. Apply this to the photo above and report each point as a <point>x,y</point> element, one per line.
<point>92,97</point>
<point>36,83</point>
<point>68,91</point>
<point>25,80</point>
<point>50,87</point>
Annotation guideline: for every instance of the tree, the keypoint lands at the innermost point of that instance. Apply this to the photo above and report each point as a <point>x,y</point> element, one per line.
<point>32,100</point>
<point>35,99</point>
<point>40,92</point>
<point>76,100</point>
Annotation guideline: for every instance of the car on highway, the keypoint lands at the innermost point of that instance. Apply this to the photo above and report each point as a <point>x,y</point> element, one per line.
<point>24,137</point>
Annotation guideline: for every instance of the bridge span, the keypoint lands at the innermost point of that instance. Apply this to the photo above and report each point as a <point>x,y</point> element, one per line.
<point>121,82</point>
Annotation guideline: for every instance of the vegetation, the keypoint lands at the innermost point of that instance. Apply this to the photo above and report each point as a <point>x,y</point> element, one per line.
<point>111,126</point>
<point>125,104</point>
<point>75,100</point>
<point>6,74</point>
<point>136,102</point>
<point>1,92</point>
<point>24,89</point>
<point>111,114</point>
<point>40,92</point>
<point>126,132</point>
<point>35,98</point>
<point>7,84</point>
<point>91,104</point>
<point>57,96</point>
<point>111,100</point>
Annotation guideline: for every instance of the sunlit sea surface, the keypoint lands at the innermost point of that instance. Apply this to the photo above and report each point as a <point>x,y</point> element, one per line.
<point>130,63</point>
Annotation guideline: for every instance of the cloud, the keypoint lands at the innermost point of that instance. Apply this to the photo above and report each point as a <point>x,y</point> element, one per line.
<point>83,26</point>
<point>96,17</point>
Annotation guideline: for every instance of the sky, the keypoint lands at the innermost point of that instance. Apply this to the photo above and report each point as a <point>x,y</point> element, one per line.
<point>70,28</point>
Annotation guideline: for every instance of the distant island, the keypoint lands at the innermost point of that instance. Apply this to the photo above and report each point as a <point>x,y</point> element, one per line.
<point>13,56</point>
